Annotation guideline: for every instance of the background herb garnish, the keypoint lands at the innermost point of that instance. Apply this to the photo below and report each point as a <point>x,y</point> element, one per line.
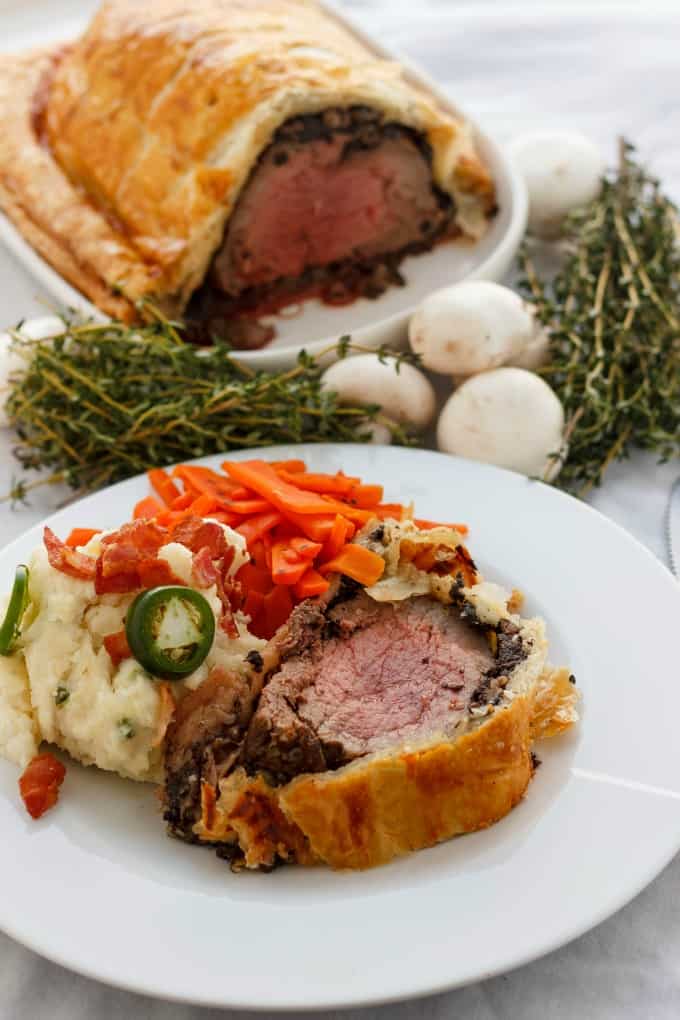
<point>102,402</point>
<point>613,314</point>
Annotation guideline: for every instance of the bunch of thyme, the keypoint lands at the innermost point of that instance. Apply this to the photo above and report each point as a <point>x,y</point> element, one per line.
<point>613,316</point>
<point>102,402</point>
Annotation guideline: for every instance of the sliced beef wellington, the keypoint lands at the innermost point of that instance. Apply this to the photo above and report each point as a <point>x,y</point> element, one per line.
<point>384,724</point>
<point>224,159</point>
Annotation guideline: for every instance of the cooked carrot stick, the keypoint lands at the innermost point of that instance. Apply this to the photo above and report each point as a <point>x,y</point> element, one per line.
<point>357,562</point>
<point>311,583</point>
<point>365,495</point>
<point>147,508</point>
<point>163,484</point>
<point>81,536</point>
<point>257,525</point>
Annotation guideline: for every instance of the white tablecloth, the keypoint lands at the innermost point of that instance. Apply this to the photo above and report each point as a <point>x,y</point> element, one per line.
<point>603,69</point>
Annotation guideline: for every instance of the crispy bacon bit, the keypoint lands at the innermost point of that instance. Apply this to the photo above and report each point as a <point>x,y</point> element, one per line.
<point>40,782</point>
<point>196,534</point>
<point>166,710</point>
<point>153,573</point>
<point>66,560</point>
<point>204,570</point>
<point>129,559</point>
<point>118,648</point>
<point>143,536</point>
<point>115,583</point>
<point>227,622</point>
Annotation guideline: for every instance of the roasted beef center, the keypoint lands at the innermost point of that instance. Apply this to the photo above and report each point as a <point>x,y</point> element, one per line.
<point>374,676</point>
<point>334,203</point>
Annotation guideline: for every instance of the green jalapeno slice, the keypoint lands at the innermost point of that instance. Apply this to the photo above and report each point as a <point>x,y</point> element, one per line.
<point>170,630</point>
<point>16,607</point>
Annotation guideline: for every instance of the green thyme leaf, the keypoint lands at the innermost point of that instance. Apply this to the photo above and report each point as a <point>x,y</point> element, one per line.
<point>613,316</point>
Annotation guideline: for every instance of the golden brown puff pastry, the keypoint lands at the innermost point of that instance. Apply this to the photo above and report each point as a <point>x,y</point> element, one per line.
<point>410,791</point>
<point>123,156</point>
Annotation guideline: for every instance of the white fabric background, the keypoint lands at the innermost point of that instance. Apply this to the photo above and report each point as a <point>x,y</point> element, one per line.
<point>603,68</point>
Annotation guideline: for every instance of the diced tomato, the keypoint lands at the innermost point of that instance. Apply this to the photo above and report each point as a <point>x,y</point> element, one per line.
<point>278,605</point>
<point>254,579</point>
<point>117,646</point>
<point>66,560</point>
<point>40,782</point>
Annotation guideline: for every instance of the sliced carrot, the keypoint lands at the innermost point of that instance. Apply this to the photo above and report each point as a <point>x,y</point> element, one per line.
<point>169,518</point>
<point>261,477</point>
<point>365,495</point>
<point>163,484</point>
<point>337,538</point>
<point>316,528</point>
<point>204,504</point>
<point>311,583</point>
<point>147,508</point>
<point>462,529</point>
<point>231,520</point>
<point>357,562</point>
<point>388,510</point>
<point>338,485</point>
<point>202,479</point>
<point>287,566</point>
<point>81,536</point>
<point>291,466</point>
<point>245,507</point>
<point>305,548</point>
<point>184,501</point>
<point>258,525</point>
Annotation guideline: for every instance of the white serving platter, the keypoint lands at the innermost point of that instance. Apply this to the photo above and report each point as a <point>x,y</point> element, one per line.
<point>313,326</point>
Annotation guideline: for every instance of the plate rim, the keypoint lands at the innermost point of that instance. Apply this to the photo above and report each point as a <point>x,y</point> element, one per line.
<point>412,988</point>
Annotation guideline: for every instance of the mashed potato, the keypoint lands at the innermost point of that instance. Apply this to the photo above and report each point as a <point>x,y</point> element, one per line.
<point>61,685</point>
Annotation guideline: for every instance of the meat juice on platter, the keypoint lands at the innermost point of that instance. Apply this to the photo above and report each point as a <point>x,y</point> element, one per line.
<point>273,158</point>
<point>310,673</point>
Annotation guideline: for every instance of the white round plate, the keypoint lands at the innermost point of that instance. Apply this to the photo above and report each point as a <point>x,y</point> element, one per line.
<point>98,887</point>
<point>311,326</point>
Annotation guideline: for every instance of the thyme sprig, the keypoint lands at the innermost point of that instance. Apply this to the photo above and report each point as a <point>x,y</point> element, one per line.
<point>104,401</point>
<point>613,316</point>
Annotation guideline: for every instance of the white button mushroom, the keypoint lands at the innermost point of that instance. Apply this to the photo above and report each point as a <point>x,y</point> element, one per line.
<point>508,417</point>
<point>470,327</point>
<point>562,170</point>
<point>406,396</point>
<point>535,354</point>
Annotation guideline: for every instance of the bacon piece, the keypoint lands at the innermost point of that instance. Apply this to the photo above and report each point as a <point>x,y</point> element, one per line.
<point>196,534</point>
<point>117,646</point>
<point>227,622</point>
<point>66,560</point>
<point>154,573</point>
<point>205,572</point>
<point>144,536</point>
<point>115,584</point>
<point>40,782</point>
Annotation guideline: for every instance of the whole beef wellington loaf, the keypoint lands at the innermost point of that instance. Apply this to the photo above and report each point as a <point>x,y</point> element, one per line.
<point>377,721</point>
<point>225,159</point>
